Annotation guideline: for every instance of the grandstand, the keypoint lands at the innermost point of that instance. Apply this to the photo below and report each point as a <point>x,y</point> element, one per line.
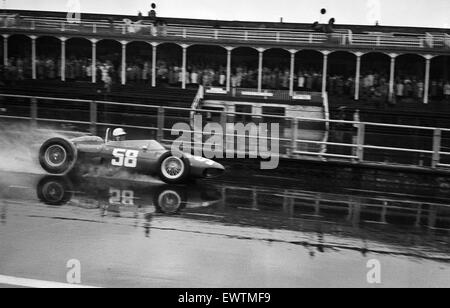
<point>394,74</point>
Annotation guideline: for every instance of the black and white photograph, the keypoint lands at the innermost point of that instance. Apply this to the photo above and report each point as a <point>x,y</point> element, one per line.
<point>224,150</point>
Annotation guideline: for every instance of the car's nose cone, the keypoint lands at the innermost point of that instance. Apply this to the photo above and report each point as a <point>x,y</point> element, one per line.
<point>214,171</point>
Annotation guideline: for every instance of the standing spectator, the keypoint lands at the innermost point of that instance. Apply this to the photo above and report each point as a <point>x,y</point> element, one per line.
<point>194,77</point>
<point>301,80</point>
<point>180,76</point>
<point>108,83</point>
<point>420,89</point>
<point>89,69</point>
<point>145,72</point>
<point>440,89</point>
<point>309,81</point>
<point>152,13</point>
<point>222,78</point>
<point>285,79</point>
<point>400,88</point>
<point>447,91</point>
<point>111,24</point>
<point>408,88</point>
<point>434,89</point>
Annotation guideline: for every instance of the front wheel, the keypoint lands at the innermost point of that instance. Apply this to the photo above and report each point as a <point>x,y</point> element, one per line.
<point>169,200</point>
<point>173,169</point>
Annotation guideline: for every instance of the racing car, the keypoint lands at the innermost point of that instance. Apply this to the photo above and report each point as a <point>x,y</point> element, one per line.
<point>59,156</point>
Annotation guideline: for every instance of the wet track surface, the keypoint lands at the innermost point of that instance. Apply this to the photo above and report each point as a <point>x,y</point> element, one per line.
<point>246,230</point>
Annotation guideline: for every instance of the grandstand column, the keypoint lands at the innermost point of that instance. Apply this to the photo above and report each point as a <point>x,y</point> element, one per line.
<point>291,78</point>
<point>154,50</point>
<point>427,78</point>
<point>358,74</point>
<point>183,70</point>
<point>94,60</point>
<point>260,68</point>
<point>124,62</point>
<point>325,70</point>
<point>392,76</point>
<point>63,58</point>
<point>5,50</point>
<point>33,56</point>
<point>229,49</point>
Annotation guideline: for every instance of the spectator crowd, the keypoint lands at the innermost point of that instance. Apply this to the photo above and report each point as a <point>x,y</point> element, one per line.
<point>373,85</point>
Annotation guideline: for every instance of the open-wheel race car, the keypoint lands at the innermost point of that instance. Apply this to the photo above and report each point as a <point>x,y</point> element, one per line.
<point>59,156</point>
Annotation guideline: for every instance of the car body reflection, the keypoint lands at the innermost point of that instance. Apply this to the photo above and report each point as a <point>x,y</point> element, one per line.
<point>116,195</point>
<point>112,196</point>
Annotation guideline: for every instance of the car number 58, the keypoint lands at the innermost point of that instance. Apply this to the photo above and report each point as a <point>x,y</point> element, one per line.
<point>125,158</point>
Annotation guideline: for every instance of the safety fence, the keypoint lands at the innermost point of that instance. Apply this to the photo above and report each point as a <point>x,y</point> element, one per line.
<point>303,138</point>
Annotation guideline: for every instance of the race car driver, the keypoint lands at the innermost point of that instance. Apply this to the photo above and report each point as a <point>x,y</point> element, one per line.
<point>119,134</point>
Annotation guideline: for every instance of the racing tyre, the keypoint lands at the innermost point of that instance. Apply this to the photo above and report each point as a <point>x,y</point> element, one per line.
<point>54,191</point>
<point>169,200</point>
<point>58,156</point>
<point>173,169</point>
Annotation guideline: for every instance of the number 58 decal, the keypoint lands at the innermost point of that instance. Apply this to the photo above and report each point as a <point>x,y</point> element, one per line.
<point>125,158</point>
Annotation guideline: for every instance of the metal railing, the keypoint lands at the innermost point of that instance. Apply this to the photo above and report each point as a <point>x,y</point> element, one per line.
<point>160,120</point>
<point>321,203</point>
<point>359,147</point>
<point>289,36</point>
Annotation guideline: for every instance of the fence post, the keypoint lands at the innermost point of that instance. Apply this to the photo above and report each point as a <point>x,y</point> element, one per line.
<point>436,148</point>
<point>294,129</point>
<point>160,133</point>
<point>360,141</point>
<point>93,117</point>
<point>33,112</point>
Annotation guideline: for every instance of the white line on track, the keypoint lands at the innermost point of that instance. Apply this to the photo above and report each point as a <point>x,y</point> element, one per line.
<point>42,284</point>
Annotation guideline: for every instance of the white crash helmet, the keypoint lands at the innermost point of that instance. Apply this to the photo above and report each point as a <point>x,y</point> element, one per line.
<point>119,132</point>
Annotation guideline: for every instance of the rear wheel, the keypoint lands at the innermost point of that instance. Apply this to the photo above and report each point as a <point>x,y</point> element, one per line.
<point>54,191</point>
<point>173,169</point>
<point>57,156</point>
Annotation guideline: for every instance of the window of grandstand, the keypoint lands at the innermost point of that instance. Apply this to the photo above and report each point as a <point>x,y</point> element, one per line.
<point>169,65</point>
<point>139,63</point>
<point>308,69</point>
<point>206,65</point>
<point>243,109</point>
<point>269,111</point>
